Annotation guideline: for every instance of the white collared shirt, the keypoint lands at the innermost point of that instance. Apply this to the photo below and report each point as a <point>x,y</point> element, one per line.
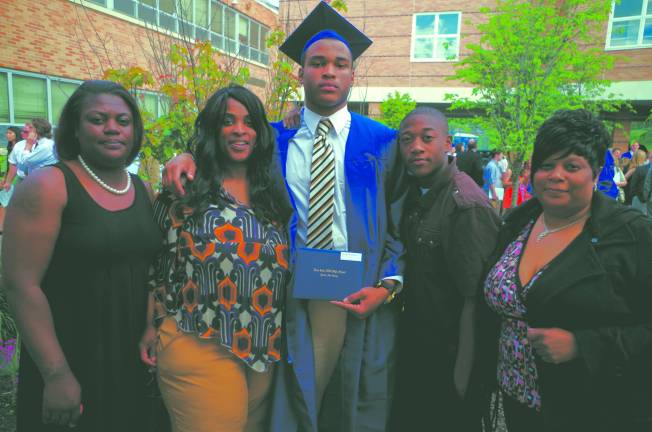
<point>299,159</point>
<point>27,161</point>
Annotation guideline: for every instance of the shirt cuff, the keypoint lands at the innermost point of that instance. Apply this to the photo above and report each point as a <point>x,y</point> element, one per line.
<point>399,281</point>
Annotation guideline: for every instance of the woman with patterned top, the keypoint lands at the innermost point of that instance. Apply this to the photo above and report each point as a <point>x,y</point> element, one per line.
<point>219,286</point>
<point>571,290</point>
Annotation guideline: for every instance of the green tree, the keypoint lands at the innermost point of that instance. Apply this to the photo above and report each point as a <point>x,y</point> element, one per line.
<point>283,85</point>
<point>196,71</point>
<point>394,108</point>
<point>535,57</point>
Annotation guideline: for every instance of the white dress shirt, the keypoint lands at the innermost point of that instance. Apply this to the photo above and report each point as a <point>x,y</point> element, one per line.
<point>299,159</point>
<point>27,161</point>
<point>297,169</point>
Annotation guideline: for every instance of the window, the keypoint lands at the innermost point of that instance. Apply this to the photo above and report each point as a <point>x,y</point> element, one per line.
<point>201,13</point>
<point>436,36</point>
<point>30,98</point>
<point>227,29</point>
<point>230,23</point>
<point>147,11</point>
<point>4,98</point>
<point>44,96</point>
<point>60,92</point>
<point>243,36</point>
<point>148,103</point>
<point>630,24</point>
<point>125,6</point>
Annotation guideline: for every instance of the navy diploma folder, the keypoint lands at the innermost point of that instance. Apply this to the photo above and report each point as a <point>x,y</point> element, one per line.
<point>321,274</point>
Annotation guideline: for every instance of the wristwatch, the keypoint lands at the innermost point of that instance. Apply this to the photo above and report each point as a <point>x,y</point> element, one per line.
<point>390,285</point>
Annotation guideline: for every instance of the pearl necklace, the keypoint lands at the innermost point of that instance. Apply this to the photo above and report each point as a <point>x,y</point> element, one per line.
<point>101,182</point>
<point>547,231</point>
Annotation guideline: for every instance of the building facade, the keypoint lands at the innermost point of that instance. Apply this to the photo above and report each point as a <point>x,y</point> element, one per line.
<point>418,42</point>
<point>47,48</point>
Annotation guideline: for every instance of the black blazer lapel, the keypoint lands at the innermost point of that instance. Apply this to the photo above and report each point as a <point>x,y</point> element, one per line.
<point>574,264</point>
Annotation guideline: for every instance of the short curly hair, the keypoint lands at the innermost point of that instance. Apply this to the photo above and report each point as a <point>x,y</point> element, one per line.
<point>576,132</point>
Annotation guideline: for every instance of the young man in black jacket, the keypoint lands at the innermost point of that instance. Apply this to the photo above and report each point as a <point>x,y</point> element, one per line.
<point>449,229</point>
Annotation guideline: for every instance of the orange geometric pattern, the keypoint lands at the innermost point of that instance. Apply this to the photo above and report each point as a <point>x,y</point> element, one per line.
<point>209,249</point>
<point>228,233</point>
<point>249,256</point>
<point>223,275</point>
<point>227,293</point>
<point>190,295</point>
<point>281,252</point>
<point>241,343</point>
<point>262,300</point>
<point>274,345</point>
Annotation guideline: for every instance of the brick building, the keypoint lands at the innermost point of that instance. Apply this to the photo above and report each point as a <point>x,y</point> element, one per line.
<point>48,47</point>
<point>417,43</point>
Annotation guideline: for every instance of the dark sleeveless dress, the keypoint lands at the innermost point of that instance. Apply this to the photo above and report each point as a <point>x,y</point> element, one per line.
<point>96,285</point>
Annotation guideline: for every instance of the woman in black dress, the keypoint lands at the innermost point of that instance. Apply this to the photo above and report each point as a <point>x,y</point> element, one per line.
<point>78,242</point>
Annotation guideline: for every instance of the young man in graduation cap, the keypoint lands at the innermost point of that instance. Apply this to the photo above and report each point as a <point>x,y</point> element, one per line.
<point>342,173</point>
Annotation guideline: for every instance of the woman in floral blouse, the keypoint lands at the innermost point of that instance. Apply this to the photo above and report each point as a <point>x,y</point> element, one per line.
<point>218,288</point>
<point>571,290</point>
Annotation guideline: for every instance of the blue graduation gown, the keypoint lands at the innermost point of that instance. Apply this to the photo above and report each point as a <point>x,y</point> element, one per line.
<point>606,183</point>
<point>373,206</point>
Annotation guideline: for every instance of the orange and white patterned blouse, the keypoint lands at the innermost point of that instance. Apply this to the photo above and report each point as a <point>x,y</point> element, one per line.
<point>222,275</point>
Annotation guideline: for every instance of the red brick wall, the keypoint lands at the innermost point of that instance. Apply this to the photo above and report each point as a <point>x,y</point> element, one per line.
<point>60,38</point>
<point>389,24</point>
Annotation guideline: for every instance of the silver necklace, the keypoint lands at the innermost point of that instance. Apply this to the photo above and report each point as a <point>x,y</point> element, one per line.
<point>547,231</point>
<point>102,183</point>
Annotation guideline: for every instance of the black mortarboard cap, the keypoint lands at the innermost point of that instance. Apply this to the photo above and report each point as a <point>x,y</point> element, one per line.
<point>324,23</point>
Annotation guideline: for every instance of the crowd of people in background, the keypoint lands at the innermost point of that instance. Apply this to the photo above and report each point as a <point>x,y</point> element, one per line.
<point>462,300</point>
<point>625,173</point>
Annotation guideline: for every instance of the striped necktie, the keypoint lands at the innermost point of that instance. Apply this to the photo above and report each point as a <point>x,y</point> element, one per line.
<point>322,190</point>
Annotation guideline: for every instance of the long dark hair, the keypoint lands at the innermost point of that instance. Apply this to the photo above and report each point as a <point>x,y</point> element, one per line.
<point>16,131</point>
<point>266,190</point>
<point>66,134</point>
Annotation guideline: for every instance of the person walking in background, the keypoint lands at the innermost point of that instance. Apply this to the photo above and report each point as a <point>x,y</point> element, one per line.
<point>215,317</point>
<point>619,175</point>
<point>637,183</point>
<point>13,133</point>
<point>35,151</point>
<point>469,162</point>
<point>629,167</point>
<point>569,294</point>
<point>647,188</point>
<point>458,150</point>
<point>631,151</point>
<point>524,188</point>
<point>492,176</point>
<point>13,136</point>
<point>449,229</point>
<point>79,239</point>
